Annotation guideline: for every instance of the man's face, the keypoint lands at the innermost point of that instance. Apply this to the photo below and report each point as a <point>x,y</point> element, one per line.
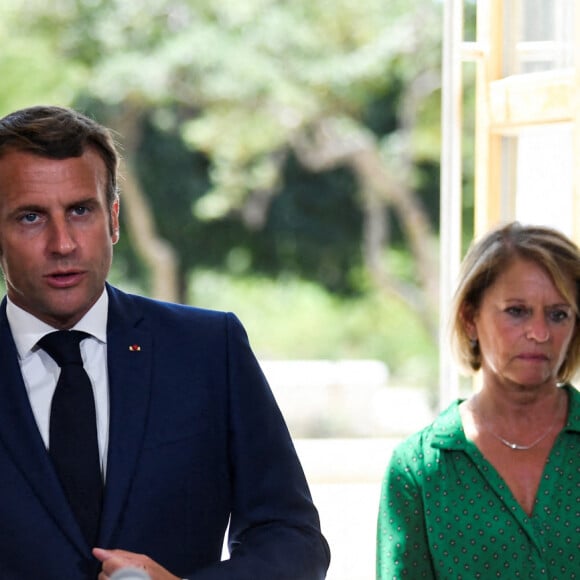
<point>56,233</point>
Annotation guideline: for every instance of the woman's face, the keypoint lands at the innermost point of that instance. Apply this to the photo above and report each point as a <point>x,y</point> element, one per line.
<point>524,327</point>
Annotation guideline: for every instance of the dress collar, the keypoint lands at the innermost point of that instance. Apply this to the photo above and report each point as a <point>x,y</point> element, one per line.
<point>447,429</point>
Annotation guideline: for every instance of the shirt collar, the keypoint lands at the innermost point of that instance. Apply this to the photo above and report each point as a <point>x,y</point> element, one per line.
<point>27,330</point>
<point>447,431</point>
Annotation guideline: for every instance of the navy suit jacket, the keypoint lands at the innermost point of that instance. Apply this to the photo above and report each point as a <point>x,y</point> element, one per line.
<point>196,442</point>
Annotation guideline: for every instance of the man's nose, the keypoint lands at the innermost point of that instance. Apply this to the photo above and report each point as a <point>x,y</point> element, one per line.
<point>62,240</point>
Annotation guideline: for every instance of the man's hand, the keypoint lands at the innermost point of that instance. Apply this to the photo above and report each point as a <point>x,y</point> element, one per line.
<point>113,560</point>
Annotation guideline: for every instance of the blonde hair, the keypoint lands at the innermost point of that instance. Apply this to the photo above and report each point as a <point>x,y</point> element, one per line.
<point>489,256</point>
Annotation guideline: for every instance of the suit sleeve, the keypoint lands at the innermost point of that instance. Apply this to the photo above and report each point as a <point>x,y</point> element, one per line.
<point>274,527</point>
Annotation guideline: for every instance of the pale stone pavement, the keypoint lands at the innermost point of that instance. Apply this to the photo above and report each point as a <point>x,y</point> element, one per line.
<point>345,419</point>
<point>345,478</point>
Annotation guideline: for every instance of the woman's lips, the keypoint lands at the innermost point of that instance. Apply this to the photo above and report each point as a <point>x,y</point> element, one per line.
<point>533,356</point>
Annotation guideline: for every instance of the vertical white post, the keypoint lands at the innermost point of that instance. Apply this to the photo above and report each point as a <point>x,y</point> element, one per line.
<point>451,174</point>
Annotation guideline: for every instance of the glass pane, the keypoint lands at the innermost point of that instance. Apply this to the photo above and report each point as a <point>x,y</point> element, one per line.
<point>539,35</point>
<point>538,167</point>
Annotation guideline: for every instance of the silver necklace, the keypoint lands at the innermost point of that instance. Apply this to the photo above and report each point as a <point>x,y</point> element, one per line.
<point>511,444</point>
<point>518,447</point>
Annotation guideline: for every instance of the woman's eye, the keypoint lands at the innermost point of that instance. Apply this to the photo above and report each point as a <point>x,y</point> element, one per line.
<point>517,311</point>
<point>558,315</point>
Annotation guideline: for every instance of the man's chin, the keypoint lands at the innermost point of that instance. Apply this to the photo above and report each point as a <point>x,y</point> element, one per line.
<point>64,315</point>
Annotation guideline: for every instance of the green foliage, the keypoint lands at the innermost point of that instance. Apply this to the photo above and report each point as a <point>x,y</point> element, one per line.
<point>31,67</point>
<point>289,319</point>
<point>314,229</point>
<point>313,226</point>
<point>223,90</point>
<point>265,67</point>
<point>251,74</point>
<point>240,80</point>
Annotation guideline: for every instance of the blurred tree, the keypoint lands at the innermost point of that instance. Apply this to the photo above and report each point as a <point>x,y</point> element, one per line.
<point>31,68</point>
<point>312,231</point>
<point>258,83</point>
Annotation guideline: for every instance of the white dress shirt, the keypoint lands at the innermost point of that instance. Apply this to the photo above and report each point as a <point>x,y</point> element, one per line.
<point>40,372</point>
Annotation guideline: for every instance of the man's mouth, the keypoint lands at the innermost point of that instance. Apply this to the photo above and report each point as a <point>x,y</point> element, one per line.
<point>64,279</point>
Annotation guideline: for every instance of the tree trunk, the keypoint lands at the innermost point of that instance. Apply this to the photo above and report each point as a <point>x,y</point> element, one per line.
<point>330,145</point>
<point>156,253</point>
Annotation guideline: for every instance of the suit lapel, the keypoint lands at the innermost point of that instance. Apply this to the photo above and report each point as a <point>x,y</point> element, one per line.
<point>20,436</point>
<point>129,354</point>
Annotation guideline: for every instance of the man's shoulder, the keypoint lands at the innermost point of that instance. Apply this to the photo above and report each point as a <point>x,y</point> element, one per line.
<point>162,311</point>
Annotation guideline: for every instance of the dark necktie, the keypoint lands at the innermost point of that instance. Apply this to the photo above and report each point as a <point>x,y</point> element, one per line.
<point>73,445</point>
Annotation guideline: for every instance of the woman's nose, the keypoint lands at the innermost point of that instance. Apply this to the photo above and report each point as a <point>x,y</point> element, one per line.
<point>538,329</point>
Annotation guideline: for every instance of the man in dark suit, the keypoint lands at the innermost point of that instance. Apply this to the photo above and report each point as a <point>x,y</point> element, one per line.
<point>187,436</point>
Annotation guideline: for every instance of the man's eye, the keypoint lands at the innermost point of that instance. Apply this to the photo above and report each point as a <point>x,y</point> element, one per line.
<point>29,218</point>
<point>80,210</point>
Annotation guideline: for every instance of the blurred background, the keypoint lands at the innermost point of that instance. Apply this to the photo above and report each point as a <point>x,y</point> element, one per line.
<point>319,167</point>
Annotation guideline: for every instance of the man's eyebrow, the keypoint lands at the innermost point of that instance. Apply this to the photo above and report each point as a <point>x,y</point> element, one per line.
<point>36,207</point>
<point>84,201</point>
<point>29,207</point>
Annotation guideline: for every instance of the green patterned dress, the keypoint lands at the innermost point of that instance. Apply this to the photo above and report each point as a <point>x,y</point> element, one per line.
<point>446,513</point>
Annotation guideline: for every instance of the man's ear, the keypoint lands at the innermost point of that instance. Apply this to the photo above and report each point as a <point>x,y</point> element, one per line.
<point>115,221</point>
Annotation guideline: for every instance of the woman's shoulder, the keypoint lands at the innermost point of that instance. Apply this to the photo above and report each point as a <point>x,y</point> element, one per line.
<point>444,432</point>
<point>574,407</point>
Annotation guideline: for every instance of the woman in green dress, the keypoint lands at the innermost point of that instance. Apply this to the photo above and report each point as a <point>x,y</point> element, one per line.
<point>492,487</point>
